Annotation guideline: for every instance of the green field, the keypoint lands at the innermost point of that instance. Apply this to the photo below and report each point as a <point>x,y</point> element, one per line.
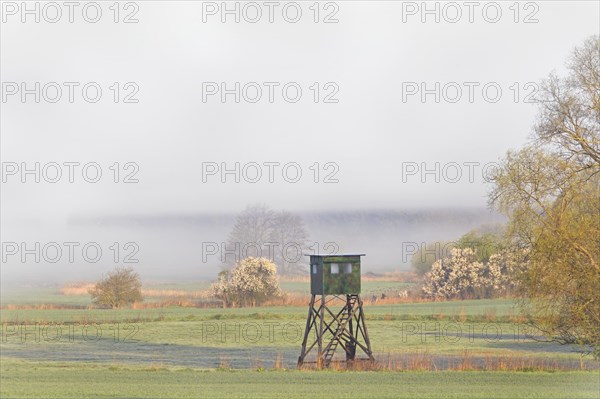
<point>252,352</point>
<point>33,295</point>
<point>473,310</point>
<point>21,379</point>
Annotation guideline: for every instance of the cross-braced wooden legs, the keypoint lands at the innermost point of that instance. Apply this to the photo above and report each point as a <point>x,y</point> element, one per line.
<point>346,328</point>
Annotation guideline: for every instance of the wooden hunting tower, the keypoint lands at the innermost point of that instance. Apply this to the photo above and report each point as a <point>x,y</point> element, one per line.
<point>335,278</point>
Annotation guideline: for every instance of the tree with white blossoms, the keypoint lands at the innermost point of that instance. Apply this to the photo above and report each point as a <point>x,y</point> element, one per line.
<point>252,281</point>
<point>504,271</point>
<point>454,276</point>
<point>462,275</point>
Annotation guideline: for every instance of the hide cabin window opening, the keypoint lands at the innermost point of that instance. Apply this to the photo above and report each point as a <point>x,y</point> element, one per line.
<point>347,268</point>
<point>335,268</point>
<point>314,269</point>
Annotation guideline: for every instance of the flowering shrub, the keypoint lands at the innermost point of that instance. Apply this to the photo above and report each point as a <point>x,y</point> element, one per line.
<point>251,282</point>
<point>461,275</point>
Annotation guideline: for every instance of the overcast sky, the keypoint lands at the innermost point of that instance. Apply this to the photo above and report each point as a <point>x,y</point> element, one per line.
<point>374,58</point>
<point>350,114</point>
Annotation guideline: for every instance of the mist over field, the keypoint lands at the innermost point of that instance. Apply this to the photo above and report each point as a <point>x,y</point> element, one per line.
<point>168,167</point>
<point>171,246</point>
<point>377,143</point>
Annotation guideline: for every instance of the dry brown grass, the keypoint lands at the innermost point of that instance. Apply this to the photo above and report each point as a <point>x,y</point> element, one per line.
<point>42,306</point>
<point>290,299</point>
<point>424,361</point>
<point>224,364</point>
<point>76,289</point>
<point>279,364</point>
<point>294,279</point>
<point>201,294</point>
<point>82,289</point>
<point>469,361</point>
<point>392,300</point>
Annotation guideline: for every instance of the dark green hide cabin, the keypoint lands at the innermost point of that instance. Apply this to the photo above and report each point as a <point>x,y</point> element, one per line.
<point>335,274</point>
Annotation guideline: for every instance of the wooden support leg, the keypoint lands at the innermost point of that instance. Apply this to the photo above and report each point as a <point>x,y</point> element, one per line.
<point>309,320</point>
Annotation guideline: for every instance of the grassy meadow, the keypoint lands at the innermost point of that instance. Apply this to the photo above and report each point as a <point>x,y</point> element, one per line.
<point>55,345</point>
<point>92,381</point>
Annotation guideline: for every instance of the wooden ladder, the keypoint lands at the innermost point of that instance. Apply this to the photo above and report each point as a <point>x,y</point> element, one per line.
<point>343,319</point>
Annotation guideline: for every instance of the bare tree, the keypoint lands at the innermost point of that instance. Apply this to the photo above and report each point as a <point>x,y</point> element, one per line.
<point>289,233</point>
<point>251,231</point>
<point>278,236</point>
<point>570,108</point>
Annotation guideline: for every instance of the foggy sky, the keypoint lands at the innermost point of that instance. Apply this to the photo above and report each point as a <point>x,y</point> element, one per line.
<point>365,138</point>
<point>368,133</point>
